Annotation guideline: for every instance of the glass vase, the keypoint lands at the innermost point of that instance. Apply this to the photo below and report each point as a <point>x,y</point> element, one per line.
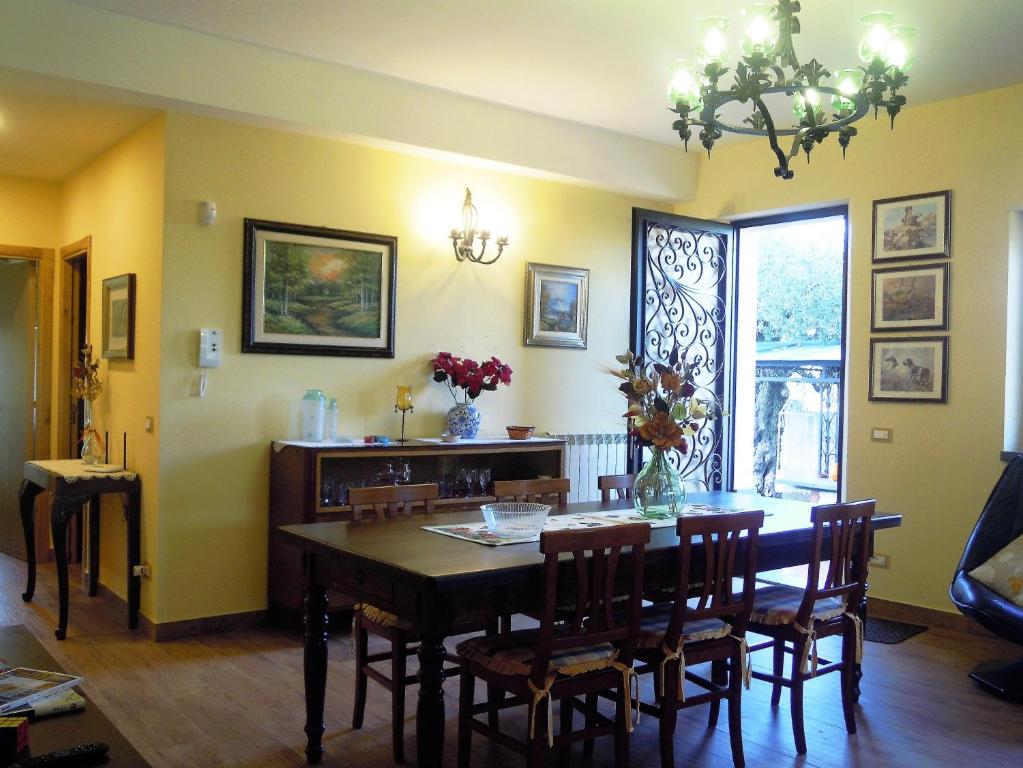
<point>91,451</point>
<point>658,491</point>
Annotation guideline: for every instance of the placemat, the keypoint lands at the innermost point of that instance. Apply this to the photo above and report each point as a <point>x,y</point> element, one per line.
<point>479,533</point>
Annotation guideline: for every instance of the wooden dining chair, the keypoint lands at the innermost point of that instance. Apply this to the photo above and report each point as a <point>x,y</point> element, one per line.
<point>622,484</point>
<point>795,618</point>
<point>385,502</point>
<point>559,661</point>
<point>544,490</point>
<point>707,624</point>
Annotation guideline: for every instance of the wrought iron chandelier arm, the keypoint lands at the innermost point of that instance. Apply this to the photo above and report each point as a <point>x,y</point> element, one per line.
<point>782,171</point>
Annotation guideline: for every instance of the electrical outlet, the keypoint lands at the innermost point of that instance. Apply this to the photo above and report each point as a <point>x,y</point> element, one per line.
<point>878,560</point>
<point>142,570</point>
<point>881,434</point>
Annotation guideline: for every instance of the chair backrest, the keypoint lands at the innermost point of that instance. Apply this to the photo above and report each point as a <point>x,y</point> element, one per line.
<point>1000,522</point>
<point>620,483</point>
<point>546,491</point>
<point>848,529</point>
<point>388,501</point>
<point>714,577</point>
<point>596,555</point>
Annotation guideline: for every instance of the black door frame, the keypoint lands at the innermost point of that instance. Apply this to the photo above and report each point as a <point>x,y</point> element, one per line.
<point>786,218</point>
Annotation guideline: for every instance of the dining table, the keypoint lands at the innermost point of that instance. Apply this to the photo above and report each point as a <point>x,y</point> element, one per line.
<point>438,582</point>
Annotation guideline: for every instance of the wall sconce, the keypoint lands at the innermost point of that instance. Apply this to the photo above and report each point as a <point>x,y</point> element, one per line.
<point>464,241</point>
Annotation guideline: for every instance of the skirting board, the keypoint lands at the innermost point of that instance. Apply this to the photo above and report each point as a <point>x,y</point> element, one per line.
<point>914,614</point>
<point>209,625</point>
<point>177,630</point>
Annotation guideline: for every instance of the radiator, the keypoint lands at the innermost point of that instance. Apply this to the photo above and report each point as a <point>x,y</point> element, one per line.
<point>587,456</point>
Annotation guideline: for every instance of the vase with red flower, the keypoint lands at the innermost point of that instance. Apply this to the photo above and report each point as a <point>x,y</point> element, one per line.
<point>85,385</point>
<point>466,380</point>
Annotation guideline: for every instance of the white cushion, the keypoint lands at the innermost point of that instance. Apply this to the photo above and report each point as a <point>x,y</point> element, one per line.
<point>1004,572</point>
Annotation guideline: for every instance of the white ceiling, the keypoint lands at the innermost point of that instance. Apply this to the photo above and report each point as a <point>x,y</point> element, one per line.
<point>49,128</point>
<point>598,62</point>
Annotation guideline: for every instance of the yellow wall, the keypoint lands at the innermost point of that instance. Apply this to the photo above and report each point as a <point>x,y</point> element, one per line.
<point>944,458</point>
<point>214,451</point>
<point>29,212</point>
<point>118,199</point>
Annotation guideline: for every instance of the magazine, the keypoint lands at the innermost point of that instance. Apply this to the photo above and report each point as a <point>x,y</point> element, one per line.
<point>21,686</point>
<point>54,704</point>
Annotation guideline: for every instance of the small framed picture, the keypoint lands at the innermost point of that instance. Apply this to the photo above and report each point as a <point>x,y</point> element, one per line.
<point>910,298</point>
<point>318,291</point>
<point>556,302</point>
<point>119,317</point>
<point>909,370</point>
<point>913,227</point>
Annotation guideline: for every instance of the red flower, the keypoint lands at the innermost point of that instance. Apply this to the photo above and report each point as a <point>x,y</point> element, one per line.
<point>469,375</point>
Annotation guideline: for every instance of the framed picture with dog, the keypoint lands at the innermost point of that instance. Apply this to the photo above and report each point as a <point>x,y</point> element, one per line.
<point>909,369</point>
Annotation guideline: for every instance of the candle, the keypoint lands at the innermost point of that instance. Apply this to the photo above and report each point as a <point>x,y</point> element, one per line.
<point>403,399</point>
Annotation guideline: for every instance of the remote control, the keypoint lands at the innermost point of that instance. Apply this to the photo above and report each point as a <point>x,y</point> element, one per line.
<point>83,754</point>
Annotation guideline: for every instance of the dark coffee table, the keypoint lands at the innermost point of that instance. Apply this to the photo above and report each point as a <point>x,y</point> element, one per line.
<point>19,648</point>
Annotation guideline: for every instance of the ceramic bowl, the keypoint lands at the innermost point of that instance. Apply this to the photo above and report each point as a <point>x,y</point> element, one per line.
<point>515,519</point>
<point>520,433</point>
<point>450,437</point>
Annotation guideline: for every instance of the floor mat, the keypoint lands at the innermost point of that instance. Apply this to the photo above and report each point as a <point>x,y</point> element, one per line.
<point>890,632</point>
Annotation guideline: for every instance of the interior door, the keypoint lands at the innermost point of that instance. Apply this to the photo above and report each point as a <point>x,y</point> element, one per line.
<point>681,271</point>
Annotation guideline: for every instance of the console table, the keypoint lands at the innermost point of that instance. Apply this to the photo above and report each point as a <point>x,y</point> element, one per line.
<point>71,484</point>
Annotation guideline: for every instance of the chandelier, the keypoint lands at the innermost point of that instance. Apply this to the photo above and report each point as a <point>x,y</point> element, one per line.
<point>768,65</point>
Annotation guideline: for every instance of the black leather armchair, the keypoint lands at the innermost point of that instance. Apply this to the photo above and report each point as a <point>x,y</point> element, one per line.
<point>999,523</point>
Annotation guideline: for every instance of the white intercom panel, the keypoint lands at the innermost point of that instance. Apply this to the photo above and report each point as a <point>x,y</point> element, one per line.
<point>209,347</point>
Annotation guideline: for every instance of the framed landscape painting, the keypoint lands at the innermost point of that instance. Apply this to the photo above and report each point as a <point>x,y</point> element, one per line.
<point>913,227</point>
<point>556,306</point>
<point>910,298</point>
<point>318,291</point>
<point>119,317</point>
<point>909,370</point>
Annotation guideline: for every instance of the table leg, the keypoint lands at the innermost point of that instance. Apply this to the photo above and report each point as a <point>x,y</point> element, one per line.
<point>60,512</point>
<point>430,708</point>
<point>26,499</point>
<point>314,660</point>
<point>94,546</point>
<point>133,518</point>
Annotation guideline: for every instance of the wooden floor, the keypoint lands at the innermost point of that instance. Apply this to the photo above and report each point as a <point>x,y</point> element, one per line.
<point>236,700</point>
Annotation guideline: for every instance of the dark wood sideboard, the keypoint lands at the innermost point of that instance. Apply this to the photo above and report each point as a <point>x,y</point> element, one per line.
<point>308,484</point>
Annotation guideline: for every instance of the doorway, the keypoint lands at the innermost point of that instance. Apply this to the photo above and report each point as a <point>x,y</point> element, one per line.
<point>26,284</point>
<point>791,274</point>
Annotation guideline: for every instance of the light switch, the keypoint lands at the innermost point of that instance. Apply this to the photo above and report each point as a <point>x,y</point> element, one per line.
<point>881,435</point>
<point>148,424</point>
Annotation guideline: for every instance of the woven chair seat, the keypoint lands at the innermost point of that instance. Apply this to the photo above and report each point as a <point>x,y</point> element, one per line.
<point>382,617</point>
<point>512,654</point>
<point>779,604</point>
<point>654,625</point>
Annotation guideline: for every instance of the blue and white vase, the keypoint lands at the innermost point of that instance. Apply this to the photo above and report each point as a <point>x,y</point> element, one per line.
<point>464,419</point>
